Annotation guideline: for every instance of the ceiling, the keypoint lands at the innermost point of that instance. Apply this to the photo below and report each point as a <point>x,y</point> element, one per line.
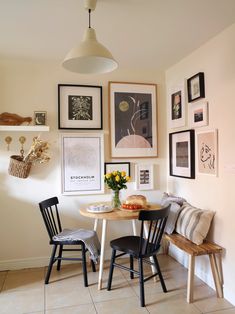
<point>150,34</point>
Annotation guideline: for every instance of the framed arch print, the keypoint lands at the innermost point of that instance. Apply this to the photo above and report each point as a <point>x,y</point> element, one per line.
<point>133,120</point>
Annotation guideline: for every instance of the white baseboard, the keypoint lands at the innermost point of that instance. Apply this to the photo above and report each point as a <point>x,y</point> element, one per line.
<point>34,262</point>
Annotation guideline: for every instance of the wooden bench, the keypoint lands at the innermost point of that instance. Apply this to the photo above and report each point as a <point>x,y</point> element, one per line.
<point>206,248</point>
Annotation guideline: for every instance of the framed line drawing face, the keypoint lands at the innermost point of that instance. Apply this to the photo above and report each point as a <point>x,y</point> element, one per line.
<point>79,107</point>
<point>207,155</point>
<point>133,120</point>
<point>182,154</point>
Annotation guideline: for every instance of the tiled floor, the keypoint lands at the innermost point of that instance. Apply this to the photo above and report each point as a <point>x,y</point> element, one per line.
<point>23,291</point>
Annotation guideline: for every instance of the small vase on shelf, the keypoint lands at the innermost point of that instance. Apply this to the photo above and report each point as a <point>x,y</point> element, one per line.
<point>115,202</point>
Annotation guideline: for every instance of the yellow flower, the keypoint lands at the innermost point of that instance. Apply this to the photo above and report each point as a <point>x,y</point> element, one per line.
<point>117,178</point>
<point>108,175</point>
<point>128,178</point>
<point>123,173</point>
<point>114,173</point>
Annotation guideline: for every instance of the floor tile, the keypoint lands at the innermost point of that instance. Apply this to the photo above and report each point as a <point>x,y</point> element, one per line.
<point>210,303</point>
<point>80,309</point>
<point>120,306</point>
<point>19,302</point>
<point>66,292</point>
<point>24,280</point>
<point>228,311</point>
<point>169,303</point>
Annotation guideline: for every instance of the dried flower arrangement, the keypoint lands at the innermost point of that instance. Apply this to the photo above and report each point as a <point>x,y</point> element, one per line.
<point>37,151</point>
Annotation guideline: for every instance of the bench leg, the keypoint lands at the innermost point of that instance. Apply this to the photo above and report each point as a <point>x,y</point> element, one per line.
<point>191,266</point>
<point>217,275</point>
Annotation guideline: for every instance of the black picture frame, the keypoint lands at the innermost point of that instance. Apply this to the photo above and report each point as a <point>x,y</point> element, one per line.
<point>80,107</point>
<point>196,87</point>
<point>120,166</point>
<point>182,154</point>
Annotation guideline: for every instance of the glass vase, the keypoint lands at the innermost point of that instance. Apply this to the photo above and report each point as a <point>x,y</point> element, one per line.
<point>115,202</point>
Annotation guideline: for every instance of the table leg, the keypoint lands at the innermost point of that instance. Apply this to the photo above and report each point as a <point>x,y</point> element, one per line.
<point>134,227</point>
<point>104,224</point>
<point>96,224</point>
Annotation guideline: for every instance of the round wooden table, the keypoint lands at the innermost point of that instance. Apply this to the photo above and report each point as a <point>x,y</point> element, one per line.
<point>115,214</point>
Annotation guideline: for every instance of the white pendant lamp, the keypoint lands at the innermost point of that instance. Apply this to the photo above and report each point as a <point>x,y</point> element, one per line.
<point>89,57</point>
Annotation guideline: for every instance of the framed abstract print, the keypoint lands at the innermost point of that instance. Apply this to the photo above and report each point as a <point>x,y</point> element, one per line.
<point>182,154</point>
<point>144,176</point>
<point>117,166</point>
<point>133,120</point>
<point>79,107</point>
<point>198,114</point>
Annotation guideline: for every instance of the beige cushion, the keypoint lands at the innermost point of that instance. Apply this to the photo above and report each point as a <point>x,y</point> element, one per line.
<point>194,223</point>
<point>167,198</point>
<point>172,217</point>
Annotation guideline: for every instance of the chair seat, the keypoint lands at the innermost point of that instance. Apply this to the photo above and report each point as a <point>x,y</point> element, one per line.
<point>89,237</point>
<point>130,245</point>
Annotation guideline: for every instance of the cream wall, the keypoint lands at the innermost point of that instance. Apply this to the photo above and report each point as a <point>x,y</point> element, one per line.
<point>26,86</point>
<point>216,60</point>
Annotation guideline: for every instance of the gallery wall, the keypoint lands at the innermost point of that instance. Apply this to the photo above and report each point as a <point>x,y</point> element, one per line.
<point>27,86</point>
<point>216,60</point>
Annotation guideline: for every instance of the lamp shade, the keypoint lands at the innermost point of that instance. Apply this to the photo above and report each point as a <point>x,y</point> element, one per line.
<point>89,57</point>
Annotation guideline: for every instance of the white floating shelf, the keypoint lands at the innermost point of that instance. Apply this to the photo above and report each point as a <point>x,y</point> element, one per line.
<point>25,128</point>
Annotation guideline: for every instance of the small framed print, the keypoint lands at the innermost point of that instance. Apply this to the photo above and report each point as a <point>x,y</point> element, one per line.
<point>79,107</point>
<point>196,87</point>
<point>144,176</point>
<point>117,166</point>
<point>198,114</point>
<point>40,117</point>
<point>207,155</point>
<point>182,154</point>
<point>177,107</point>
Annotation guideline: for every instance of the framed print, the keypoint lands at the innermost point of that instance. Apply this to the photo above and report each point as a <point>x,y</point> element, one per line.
<point>182,154</point>
<point>40,117</point>
<point>177,107</point>
<point>196,87</point>
<point>198,114</point>
<point>144,176</point>
<point>82,163</point>
<point>133,120</point>
<point>207,159</point>
<point>79,107</point>
<point>120,166</point>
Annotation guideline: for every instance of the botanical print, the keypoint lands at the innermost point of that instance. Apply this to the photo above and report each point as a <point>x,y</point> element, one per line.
<point>176,106</point>
<point>207,146</point>
<point>79,107</point>
<point>133,120</point>
<point>195,87</point>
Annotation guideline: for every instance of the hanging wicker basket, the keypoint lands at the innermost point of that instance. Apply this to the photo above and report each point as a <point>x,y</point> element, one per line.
<point>18,167</point>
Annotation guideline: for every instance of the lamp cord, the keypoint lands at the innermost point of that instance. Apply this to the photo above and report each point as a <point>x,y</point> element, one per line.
<point>89,14</point>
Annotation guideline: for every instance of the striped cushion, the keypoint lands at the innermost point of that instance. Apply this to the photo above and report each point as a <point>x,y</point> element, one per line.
<point>194,223</point>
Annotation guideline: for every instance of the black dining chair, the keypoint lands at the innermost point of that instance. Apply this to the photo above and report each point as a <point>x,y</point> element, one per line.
<point>50,214</point>
<point>141,248</point>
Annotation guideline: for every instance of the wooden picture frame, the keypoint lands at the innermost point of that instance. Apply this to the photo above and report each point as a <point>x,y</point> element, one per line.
<point>133,120</point>
<point>120,166</point>
<point>198,114</point>
<point>196,87</point>
<point>207,152</point>
<point>182,154</point>
<point>82,158</point>
<point>79,107</point>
